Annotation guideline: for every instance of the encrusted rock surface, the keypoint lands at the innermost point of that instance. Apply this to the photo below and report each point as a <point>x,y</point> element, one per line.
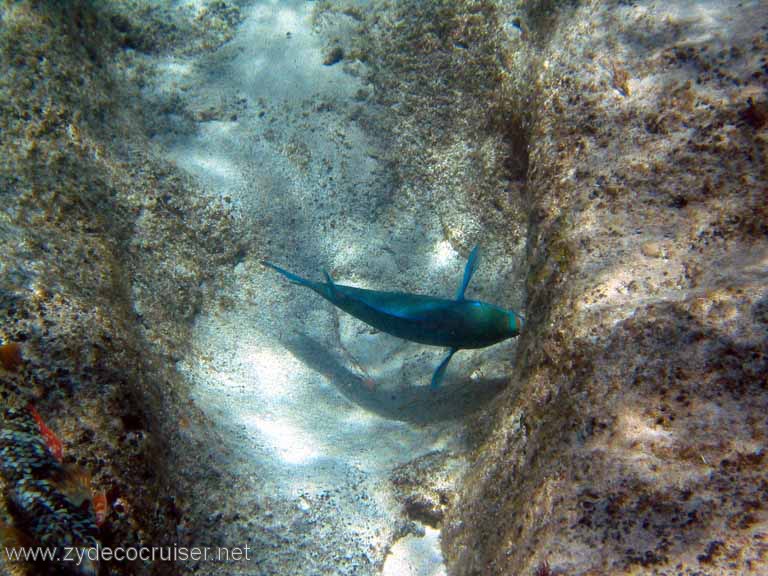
<point>426,486</point>
<point>101,269</point>
<point>632,438</point>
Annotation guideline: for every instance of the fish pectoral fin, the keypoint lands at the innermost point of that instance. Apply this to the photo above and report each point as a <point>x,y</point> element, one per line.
<point>469,270</point>
<point>437,377</point>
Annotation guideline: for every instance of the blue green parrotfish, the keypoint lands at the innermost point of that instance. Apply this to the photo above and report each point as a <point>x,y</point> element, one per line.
<point>454,324</point>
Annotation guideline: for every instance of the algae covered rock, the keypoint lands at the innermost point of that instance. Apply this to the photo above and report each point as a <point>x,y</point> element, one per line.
<point>92,299</point>
<point>634,439</point>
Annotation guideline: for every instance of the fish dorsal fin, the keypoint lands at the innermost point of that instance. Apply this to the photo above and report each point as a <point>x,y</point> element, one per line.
<point>331,283</point>
<point>469,270</point>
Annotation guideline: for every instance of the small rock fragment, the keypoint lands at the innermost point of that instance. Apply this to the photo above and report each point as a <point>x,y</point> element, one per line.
<point>334,56</point>
<point>652,250</point>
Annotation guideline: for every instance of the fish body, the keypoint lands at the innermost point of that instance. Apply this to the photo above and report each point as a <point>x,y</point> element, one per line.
<point>455,324</point>
<point>424,319</point>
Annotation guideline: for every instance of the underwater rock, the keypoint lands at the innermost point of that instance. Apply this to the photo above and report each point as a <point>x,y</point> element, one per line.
<point>426,486</point>
<point>98,316</point>
<point>334,56</point>
<point>634,439</point>
<point>10,356</point>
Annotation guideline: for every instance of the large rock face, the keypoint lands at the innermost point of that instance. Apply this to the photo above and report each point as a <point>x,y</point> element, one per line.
<point>634,438</point>
<point>101,272</point>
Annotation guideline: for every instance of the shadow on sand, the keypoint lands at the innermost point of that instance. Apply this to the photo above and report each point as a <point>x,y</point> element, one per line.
<point>415,404</point>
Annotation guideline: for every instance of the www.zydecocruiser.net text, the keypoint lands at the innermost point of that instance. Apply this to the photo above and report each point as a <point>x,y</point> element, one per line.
<point>130,554</point>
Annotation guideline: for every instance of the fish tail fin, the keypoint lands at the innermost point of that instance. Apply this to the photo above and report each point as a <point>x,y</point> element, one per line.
<point>290,275</point>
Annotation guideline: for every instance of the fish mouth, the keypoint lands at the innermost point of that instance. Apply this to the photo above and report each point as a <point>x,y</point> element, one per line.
<point>517,323</point>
